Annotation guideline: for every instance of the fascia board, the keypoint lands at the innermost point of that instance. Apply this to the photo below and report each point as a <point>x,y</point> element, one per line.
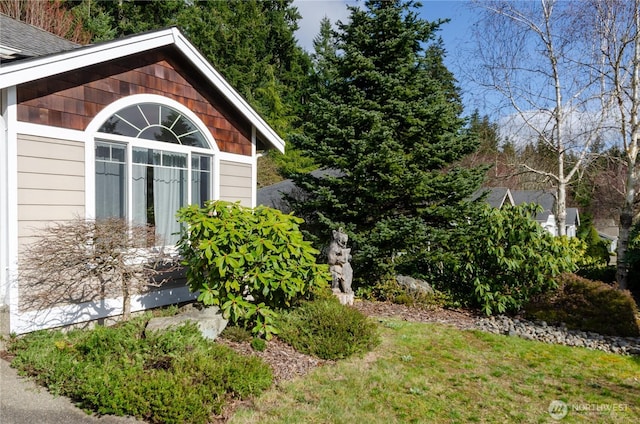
<point>21,72</point>
<point>33,69</point>
<point>227,91</point>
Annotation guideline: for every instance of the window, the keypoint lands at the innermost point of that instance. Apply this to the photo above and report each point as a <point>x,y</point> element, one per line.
<point>110,181</point>
<point>147,182</point>
<point>152,121</point>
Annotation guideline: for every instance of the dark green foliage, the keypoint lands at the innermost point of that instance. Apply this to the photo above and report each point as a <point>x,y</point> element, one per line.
<point>633,258</point>
<point>606,274</point>
<point>588,306</point>
<point>250,42</point>
<point>258,344</point>
<point>386,115</point>
<point>163,377</point>
<point>328,330</point>
<point>248,261</point>
<point>503,259</point>
<point>596,247</point>
<point>236,333</point>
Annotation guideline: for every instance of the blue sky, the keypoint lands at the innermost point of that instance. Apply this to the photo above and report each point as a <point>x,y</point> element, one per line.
<point>455,34</point>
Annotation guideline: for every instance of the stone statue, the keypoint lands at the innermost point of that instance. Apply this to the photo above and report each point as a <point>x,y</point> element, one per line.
<point>338,256</point>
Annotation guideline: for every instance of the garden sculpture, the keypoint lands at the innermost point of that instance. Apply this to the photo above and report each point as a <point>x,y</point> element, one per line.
<point>338,256</point>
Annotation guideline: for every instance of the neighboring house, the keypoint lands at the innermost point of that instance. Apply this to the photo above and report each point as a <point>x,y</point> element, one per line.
<point>608,230</point>
<point>273,196</point>
<point>133,128</point>
<point>499,196</point>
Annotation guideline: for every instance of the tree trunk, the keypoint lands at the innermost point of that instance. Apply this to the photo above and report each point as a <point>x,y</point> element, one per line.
<point>622,272</point>
<point>627,213</point>
<point>561,209</point>
<point>126,301</point>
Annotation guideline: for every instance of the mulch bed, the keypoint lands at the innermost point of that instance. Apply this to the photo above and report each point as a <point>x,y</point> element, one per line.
<point>287,363</point>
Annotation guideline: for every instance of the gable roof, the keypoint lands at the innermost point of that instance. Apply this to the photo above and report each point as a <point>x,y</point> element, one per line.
<point>273,195</point>
<point>19,40</point>
<point>543,198</point>
<point>496,196</point>
<point>22,71</point>
<point>573,216</point>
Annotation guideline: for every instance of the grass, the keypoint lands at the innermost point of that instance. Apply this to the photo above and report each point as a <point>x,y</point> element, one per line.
<point>437,374</point>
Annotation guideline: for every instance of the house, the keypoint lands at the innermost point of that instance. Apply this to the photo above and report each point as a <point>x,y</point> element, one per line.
<point>273,196</point>
<point>608,230</point>
<point>497,197</point>
<point>133,128</point>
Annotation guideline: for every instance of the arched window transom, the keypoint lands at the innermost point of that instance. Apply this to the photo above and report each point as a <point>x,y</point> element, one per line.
<point>152,121</point>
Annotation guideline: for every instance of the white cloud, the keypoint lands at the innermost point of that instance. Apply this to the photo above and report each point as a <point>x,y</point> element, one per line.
<point>579,127</point>
<point>312,12</point>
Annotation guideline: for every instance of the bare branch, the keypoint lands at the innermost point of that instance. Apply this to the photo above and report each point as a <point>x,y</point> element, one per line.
<point>83,260</point>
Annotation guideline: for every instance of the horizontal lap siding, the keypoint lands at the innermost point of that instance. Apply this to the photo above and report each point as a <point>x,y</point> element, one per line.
<point>50,183</point>
<point>235,182</point>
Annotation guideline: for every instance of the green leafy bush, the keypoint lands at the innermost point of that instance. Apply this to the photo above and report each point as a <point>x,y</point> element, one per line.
<point>328,330</point>
<point>505,258</point>
<point>162,377</point>
<point>248,261</point>
<point>588,306</point>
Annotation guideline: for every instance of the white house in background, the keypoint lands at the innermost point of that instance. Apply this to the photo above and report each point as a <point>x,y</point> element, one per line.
<point>500,196</point>
<point>133,128</point>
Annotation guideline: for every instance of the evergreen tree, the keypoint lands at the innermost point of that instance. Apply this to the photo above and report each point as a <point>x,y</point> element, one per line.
<point>388,124</point>
<point>250,42</point>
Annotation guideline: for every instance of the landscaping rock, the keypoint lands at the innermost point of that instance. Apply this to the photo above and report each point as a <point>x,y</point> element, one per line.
<point>414,285</point>
<point>344,298</point>
<point>209,320</point>
<point>542,331</point>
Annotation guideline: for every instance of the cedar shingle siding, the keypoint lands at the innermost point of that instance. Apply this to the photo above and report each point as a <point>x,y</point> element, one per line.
<point>73,99</point>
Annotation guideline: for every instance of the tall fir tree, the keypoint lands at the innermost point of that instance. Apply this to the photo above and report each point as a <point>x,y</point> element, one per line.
<point>388,124</point>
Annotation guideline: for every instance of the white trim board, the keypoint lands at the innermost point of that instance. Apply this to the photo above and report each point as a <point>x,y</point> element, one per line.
<point>61,316</point>
<point>24,71</point>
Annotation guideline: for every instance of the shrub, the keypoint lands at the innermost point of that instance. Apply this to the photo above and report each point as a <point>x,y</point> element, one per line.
<point>258,344</point>
<point>504,259</point>
<point>588,306</point>
<point>388,290</point>
<point>166,377</point>
<point>328,330</point>
<point>89,260</point>
<point>248,261</point>
<point>236,333</point>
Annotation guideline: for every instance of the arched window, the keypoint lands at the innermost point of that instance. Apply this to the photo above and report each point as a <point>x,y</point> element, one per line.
<point>144,155</point>
<point>152,121</point>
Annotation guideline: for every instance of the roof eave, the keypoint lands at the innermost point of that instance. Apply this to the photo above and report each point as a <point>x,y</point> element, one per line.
<point>24,71</point>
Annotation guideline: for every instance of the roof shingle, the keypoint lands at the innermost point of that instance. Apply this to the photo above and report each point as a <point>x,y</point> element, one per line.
<point>28,40</point>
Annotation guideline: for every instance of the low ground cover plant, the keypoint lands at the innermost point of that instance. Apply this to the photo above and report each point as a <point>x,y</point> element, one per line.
<point>162,377</point>
<point>327,329</point>
<point>249,262</point>
<point>588,306</point>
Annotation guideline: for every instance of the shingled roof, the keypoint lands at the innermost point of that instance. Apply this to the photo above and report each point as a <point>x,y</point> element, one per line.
<point>19,40</point>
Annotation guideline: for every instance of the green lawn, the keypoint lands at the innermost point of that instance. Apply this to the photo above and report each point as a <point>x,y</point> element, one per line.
<point>429,373</point>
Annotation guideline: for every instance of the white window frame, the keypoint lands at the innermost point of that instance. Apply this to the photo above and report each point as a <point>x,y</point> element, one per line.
<point>130,142</point>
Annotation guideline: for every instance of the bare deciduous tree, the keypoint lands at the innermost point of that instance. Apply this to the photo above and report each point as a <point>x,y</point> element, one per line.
<point>86,260</point>
<point>51,16</point>
<point>528,56</point>
<point>614,26</point>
